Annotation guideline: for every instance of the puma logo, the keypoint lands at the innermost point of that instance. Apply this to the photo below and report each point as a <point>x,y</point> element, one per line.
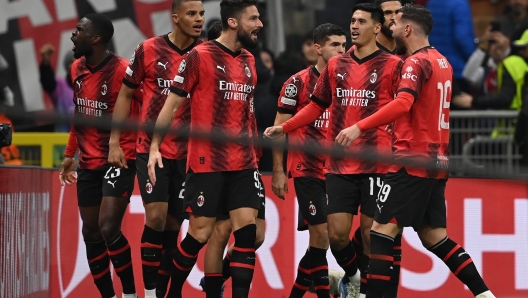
<point>379,207</point>
<point>221,68</point>
<point>294,79</point>
<point>414,60</point>
<point>78,83</point>
<point>163,65</point>
<point>342,76</point>
<point>112,183</point>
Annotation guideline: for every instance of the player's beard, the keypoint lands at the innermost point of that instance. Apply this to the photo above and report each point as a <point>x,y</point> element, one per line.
<point>401,48</point>
<point>386,31</point>
<point>246,40</point>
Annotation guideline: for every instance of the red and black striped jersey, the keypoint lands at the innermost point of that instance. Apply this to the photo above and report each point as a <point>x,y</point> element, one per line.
<point>354,89</point>
<point>423,133</point>
<point>222,85</point>
<point>95,93</point>
<point>155,63</point>
<point>294,96</point>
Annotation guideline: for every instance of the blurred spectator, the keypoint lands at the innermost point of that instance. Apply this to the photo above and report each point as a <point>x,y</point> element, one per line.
<point>511,76</point>
<point>308,50</point>
<point>10,154</point>
<point>514,16</point>
<point>453,34</point>
<point>59,89</point>
<point>6,95</point>
<point>481,69</point>
<point>267,59</point>
<point>521,129</point>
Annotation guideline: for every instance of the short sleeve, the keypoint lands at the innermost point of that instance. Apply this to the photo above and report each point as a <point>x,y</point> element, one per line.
<point>415,72</point>
<point>135,71</point>
<point>188,74</point>
<point>290,95</point>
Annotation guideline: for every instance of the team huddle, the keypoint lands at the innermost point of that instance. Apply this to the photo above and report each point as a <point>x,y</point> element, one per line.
<point>389,94</point>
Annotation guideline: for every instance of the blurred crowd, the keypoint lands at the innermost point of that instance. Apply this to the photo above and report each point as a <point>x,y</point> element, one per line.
<point>489,70</point>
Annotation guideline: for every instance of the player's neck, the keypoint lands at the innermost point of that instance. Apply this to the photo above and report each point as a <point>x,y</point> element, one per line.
<point>365,50</point>
<point>416,43</point>
<point>321,64</point>
<point>97,57</point>
<point>229,40</point>
<point>388,43</point>
<point>179,39</point>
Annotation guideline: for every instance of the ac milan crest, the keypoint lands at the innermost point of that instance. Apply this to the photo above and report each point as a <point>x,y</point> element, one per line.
<point>312,209</point>
<point>148,188</point>
<point>200,200</point>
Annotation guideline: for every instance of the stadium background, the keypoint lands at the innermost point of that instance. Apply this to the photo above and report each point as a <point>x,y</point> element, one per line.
<point>40,255</point>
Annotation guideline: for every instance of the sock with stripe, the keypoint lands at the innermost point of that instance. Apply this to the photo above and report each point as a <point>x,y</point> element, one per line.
<point>99,263</point>
<point>121,257</point>
<point>392,288</point>
<point>381,261</point>
<point>460,263</point>
<point>226,267</point>
<point>167,255</point>
<point>243,260</point>
<point>319,271</point>
<point>346,258</point>
<point>303,279</point>
<point>362,260</point>
<point>184,261</point>
<point>213,284</point>
<point>151,245</point>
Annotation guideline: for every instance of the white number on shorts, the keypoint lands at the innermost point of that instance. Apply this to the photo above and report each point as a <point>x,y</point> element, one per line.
<point>113,172</point>
<point>384,193</point>
<point>182,190</point>
<point>379,183</point>
<point>258,185</point>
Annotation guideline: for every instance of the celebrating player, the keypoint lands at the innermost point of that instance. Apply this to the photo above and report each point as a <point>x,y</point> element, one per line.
<point>415,197</point>
<point>103,191</point>
<point>354,86</point>
<point>220,76</point>
<point>155,63</point>
<point>307,170</point>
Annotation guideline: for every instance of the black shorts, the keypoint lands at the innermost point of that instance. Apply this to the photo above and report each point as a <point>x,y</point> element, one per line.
<point>106,181</point>
<point>262,211</point>
<point>170,184</point>
<point>412,201</point>
<point>216,193</point>
<point>347,192</point>
<point>311,197</point>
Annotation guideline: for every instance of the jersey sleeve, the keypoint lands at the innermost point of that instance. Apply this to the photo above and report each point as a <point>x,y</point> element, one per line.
<point>135,72</point>
<point>396,71</point>
<point>290,95</point>
<point>415,72</point>
<point>322,94</point>
<point>188,74</point>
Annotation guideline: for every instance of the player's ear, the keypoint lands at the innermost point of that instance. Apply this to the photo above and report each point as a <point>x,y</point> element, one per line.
<point>317,48</point>
<point>377,28</point>
<point>175,18</point>
<point>96,39</point>
<point>408,29</point>
<point>232,22</point>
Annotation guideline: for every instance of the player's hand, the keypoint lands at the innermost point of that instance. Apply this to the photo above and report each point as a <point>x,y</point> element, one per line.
<point>279,184</point>
<point>348,135</point>
<point>463,100</point>
<point>67,174</point>
<point>116,157</point>
<point>154,159</point>
<point>390,128</point>
<point>274,132</point>
<point>46,52</point>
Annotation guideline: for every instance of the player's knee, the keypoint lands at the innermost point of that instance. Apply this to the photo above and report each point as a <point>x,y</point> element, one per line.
<point>172,223</point>
<point>91,232</point>
<point>259,239</point>
<point>337,240</point>
<point>319,236</point>
<point>155,220</point>
<point>431,236</point>
<point>110,230</point>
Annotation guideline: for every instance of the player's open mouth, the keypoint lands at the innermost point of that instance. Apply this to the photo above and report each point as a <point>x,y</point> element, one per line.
<point>198,28</point>
<point>254,33</point>
<point>355,34</point>
<point>74,43</point>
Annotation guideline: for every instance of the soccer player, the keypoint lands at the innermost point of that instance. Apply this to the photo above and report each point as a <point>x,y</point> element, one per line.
<point>155,63</point>
<point>411,196</point>
<point>354,86</point>
<point>220,75</point>
<point>103,191</point>
<point>307,170</point>
<point>218,271</point>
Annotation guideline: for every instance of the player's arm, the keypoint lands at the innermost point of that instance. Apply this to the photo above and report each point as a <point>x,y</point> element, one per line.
<point>279,183</point>
<point>163,123</point>
<point>116,156</point>
<point>67,173</point>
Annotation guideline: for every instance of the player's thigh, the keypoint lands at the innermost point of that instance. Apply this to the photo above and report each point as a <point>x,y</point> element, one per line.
<point>403,199</point>
<point>311,197</point>
<point>243,196</point>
